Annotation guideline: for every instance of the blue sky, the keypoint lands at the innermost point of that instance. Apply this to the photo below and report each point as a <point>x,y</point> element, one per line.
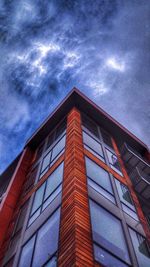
<point>47,47</point>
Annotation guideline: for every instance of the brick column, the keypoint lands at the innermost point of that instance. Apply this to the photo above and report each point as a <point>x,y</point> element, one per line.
<point>9,202</point>
<point>75,245</point>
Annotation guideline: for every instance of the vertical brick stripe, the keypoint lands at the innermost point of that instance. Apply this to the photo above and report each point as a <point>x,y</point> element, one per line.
<point>75,244</point>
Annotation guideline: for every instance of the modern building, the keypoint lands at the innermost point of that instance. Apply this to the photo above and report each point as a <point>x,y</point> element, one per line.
<point>78,194</point>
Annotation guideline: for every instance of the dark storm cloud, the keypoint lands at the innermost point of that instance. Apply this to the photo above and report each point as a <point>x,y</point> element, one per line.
<point>47,47</point>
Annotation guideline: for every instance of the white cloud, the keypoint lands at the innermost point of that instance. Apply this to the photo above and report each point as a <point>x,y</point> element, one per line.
<point>116,64</point>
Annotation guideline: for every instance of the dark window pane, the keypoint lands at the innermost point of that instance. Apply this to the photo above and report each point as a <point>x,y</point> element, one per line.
<point>90,125</point>
<point>50,140</point>
<point>104,227</point>
<point>106,258</point>
<point>39,151</point>
<point>26,254</point>
<point>97,174</point>
<point>141,248</point>
<point>30,180</point>
<point>60,129</point>
<point>21,218</point>
<point>106,138</point>
<point>47,240</point>
<point>59,146</point>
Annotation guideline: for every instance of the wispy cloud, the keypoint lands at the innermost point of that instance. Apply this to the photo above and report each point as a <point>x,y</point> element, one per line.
<point>47,47</point>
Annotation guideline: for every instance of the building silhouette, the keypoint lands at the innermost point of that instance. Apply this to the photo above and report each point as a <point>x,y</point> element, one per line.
<point>78,194</point>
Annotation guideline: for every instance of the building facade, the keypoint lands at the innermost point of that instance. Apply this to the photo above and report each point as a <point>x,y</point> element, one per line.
<point>78,194</point>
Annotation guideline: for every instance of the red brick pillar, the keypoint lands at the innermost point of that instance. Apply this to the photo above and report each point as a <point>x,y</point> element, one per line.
<point>9,202</point>
<point>75,245</point>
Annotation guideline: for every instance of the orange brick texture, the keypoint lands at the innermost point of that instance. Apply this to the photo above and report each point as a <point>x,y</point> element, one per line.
<point>75,244</point>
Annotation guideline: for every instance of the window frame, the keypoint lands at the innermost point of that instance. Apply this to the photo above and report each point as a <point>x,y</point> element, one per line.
<point>111,194</point>
<point>40,207</point>
<point>35,234</point>
<point>102,246</point>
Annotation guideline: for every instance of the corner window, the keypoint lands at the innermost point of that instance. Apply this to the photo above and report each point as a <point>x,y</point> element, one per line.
<point>141,248</point>
<point>126,200</point>
<point>110,245</point>
<point>90,126</point>
<point>99,179</point>
<point>42,247</point>
<point>93,146</point>
<point>48,191</point>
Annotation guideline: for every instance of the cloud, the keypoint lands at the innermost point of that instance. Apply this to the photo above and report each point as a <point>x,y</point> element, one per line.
<point>48,47</point>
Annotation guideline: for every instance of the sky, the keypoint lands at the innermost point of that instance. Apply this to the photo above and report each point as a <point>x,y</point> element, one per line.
<point>102,47</point>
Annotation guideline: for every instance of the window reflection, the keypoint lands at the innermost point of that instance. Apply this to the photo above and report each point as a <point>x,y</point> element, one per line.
<point>41,248</point>
<point>104,228</point>
<point>126,200</point>
<point>141,248</point>
<point>113,161</point>
<point>93,146</point>
<point>47,193</point>
<point>99,179</point>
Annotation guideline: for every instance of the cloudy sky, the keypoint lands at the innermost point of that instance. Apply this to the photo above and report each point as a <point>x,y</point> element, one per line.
<point>47,47</point>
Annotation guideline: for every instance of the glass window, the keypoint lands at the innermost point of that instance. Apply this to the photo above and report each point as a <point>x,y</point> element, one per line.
<point>58,147</point>
<point>52,156</point>
<point>21,217</point>
<point>54,181</point>
<point>42,247</point>
<point>18,226</point>
<point>104,228</point>
<point>47,240</point>
<point>141,248</point>
<point>104,257</point>
<point>26,255</point>
<point>38,198</point>
<point>51,263</point>
<point>93,145</point>
<point>47,192</point>
<point>30,180</point>
<point>113,161</point>
<point>46,162</point>
<point>90,125</point>
<point>60,129</point>
<point>106,138</point>
<point>98,174</point>
<point>39,151</point>
<point>50,140</point>
<point>126,199</point>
